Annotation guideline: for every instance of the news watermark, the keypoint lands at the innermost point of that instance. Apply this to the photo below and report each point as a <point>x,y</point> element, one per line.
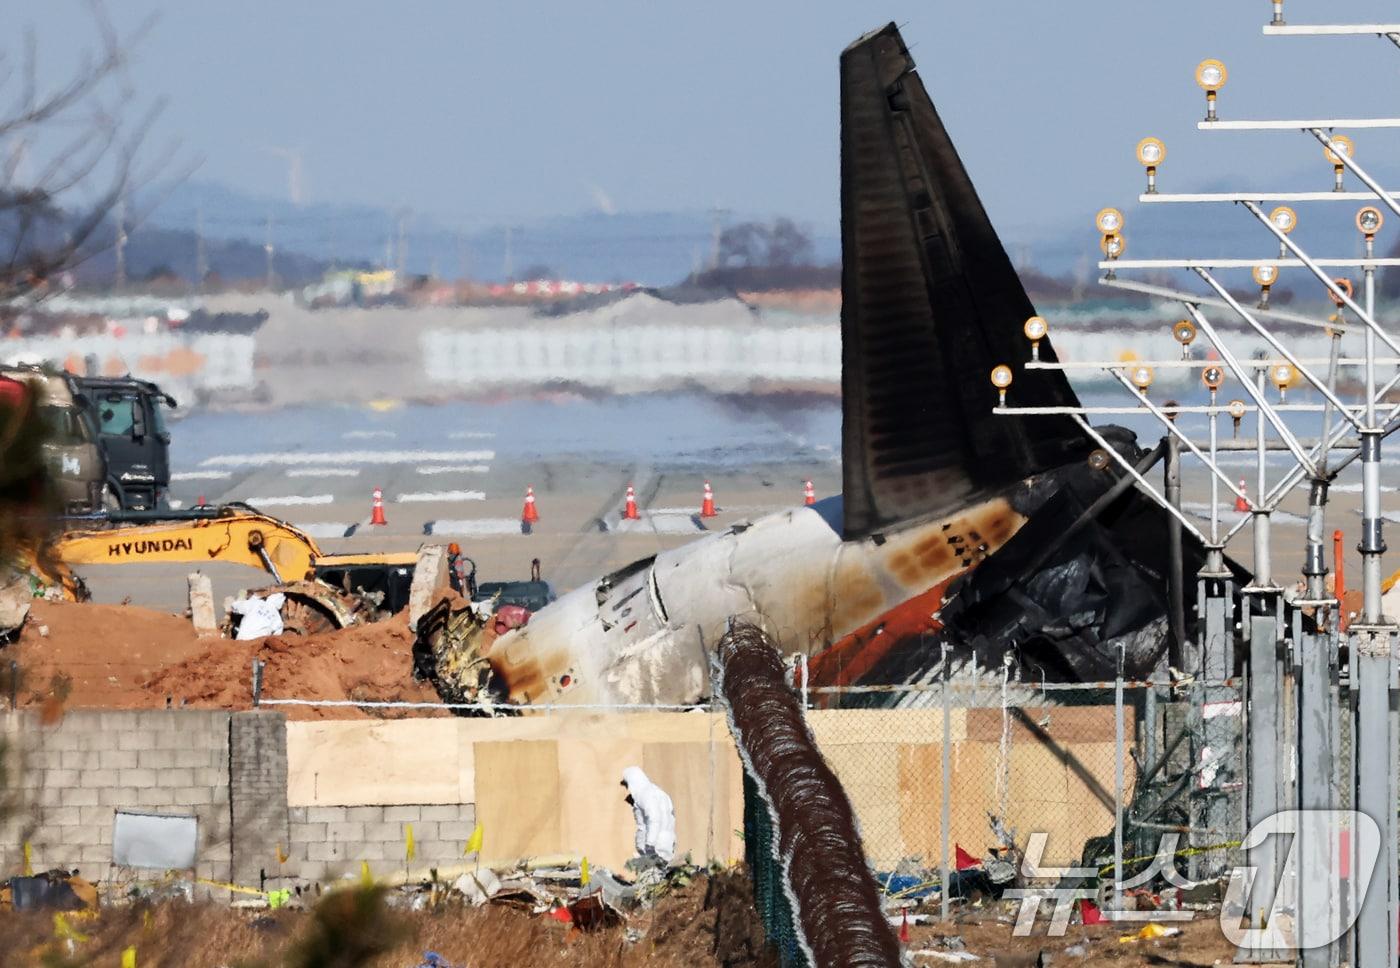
<point>1320,880</point>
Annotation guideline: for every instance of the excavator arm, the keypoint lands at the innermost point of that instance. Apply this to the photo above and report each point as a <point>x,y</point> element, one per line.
<point>239,536</point>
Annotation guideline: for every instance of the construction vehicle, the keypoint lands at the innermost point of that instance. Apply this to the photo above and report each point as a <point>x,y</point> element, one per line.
<point>129,416</point>
<point>73,454</point>
<point>323,591</point>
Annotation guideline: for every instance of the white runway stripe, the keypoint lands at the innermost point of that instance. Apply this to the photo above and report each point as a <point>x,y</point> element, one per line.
<point>289,500</point>
<point>324,472</point>
<point>321,458</point>
<point>656,522</point>
<point>368,434</point>
<point>1356,488</point>
<point>326,529</point>
<point>175,505</point>
<point>201,476</point>
<point>475,526</point>
<point>455,469</point>
<point>419,497</point>
<point>471,435</point>
<point>1230,516</point>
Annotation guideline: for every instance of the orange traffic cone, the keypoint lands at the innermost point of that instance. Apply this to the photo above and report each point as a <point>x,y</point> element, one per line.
<point>529,515</point>
<point>904,928</point>
<point>707,504</point>
<point>376,513</point>
<point>630,512</point>
<point>809,494</point>
<point>201,502</point>
<point>1241,501</point>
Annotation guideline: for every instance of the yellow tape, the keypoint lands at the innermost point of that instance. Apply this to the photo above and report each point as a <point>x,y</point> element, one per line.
<point>1185,852</point>
<point>129,957</point>
<point>226,886</point>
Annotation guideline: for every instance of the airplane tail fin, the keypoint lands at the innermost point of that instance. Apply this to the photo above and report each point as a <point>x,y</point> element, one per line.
<point>930,304</point>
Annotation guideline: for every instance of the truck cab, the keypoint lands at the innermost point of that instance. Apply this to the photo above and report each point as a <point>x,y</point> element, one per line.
<point>72,452</point>
<point>130,420</point>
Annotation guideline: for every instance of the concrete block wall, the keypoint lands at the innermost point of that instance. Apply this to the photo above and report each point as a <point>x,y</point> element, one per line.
<point>257,778</point>
<point>71,777</point>
<point>330,842</point>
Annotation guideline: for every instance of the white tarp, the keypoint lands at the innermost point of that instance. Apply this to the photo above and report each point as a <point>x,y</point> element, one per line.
<point>154,841</point>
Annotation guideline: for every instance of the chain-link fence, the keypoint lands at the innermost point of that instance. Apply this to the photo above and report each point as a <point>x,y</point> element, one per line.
<point>944,777</point>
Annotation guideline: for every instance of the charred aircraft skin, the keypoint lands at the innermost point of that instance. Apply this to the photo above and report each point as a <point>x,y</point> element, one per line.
<point>956,525</point>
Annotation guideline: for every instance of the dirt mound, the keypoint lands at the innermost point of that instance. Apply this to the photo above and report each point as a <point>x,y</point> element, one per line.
<point>124,657</point>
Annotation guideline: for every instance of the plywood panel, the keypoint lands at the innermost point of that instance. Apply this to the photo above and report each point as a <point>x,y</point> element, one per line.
<point>846,727</point>
<point>596,820</point>
<point>920,800</point>
<point>870,775</point>
<point>353,763</point>
<point>697,777</point>
<point>676,727</point>
<point>518,798</point>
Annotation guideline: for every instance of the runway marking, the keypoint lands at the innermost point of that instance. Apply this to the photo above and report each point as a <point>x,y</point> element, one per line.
<point>1229,515</point>
<point>473,526</point>
<point>324,472</point>
<point>455,469</point>
<point>420,497</point>
<point>322,458</point>
<point>290,499</point>
<point>663,522</point>
<point>327,529</point>
<point>471,435</point>
<point>368,434</point>
<point>1356,488</point>
<point>201,476</point>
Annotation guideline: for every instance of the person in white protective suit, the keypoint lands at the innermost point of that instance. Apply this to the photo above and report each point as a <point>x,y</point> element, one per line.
<point>654,814</point>
<point>260,616</point>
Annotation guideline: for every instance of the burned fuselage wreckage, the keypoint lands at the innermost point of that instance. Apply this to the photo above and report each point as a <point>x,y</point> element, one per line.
<point>990,533</point>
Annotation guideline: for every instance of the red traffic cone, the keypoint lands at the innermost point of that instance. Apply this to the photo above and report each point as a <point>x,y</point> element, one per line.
<point>629,513</point>
<point>809,494</point>
<point>904,927</point>
<point>1241,501</point>
<point>201,503</point>
<point>707,504</point>
<point>376,513</point>
<point>529,515</point>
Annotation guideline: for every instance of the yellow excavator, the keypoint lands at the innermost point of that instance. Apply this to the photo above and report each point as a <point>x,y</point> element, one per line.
<point>323,591</point>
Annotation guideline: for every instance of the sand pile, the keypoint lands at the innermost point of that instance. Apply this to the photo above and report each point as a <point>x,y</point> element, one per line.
<point>124,657</point>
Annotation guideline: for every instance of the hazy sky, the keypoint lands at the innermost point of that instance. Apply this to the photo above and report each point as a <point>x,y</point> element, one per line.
<point>477,111</point>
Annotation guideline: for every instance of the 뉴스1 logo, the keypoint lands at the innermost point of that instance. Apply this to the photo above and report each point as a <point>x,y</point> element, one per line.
<point>1321,845</point>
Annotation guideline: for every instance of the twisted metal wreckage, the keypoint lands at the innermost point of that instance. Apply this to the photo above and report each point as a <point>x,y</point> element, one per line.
<point>989,534</point>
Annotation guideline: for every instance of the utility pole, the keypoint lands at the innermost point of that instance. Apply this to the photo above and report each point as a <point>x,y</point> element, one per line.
<point>121,240</point>
<point>401,253</point>
<point>269,250</point>
<point>508,270</point>
<point>201,258</point>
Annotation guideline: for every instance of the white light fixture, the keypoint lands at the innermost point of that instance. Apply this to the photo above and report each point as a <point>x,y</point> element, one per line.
<point>1211,75</point>
<point>1265,276</point>
<point>1001,379</point>
<point>1036,329</point>
<point>1341,145</point>
<point>1151,152</point>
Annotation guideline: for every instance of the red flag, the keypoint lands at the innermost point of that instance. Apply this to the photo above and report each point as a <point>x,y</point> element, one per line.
<point>1089,912</point>
<point>964,859</point>
<point>904,928</point>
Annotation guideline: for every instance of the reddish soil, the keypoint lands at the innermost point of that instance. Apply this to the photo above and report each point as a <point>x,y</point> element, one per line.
<point>124,657</point>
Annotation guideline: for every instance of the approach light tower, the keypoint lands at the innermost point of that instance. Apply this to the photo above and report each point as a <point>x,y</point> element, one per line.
<point>1315,675</point>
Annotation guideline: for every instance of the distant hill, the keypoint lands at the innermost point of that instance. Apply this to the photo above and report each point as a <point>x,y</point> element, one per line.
<point>655,248</point>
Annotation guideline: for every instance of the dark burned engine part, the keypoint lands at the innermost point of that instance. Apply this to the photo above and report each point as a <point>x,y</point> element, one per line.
<point>836,903</point>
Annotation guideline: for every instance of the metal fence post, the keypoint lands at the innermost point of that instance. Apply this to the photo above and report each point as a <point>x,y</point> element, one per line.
<point>1118,781</point>
<point>945,793</point>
